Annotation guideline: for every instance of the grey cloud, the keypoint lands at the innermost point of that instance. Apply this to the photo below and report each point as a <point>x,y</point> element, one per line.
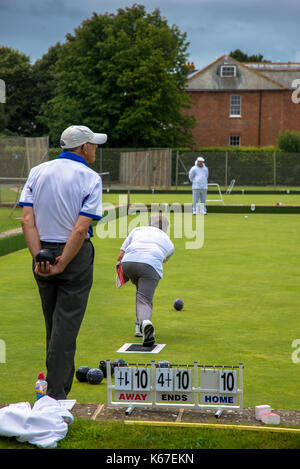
<point>213,27</point>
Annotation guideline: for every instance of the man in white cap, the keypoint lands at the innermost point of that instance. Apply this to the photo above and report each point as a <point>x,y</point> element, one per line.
<point>60,199</point>
<point>198,175</point>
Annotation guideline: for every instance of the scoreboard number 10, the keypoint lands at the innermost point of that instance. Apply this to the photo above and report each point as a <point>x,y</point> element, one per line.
<point>228,381</point>
<point>141,379</point>
<point>183,380</point>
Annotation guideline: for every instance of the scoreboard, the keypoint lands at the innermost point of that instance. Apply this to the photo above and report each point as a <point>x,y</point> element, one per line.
<point>193,386</point>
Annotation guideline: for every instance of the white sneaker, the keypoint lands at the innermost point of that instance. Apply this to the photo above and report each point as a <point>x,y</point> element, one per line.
<point>148,333</point>
<point>138,332</point>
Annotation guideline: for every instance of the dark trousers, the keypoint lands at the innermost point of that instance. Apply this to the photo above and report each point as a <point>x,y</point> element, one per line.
<point>146,279</point>
<point>64,299</point>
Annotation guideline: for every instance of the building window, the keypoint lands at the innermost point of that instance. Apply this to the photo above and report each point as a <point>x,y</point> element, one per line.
<point>228,71</point>
<point>235,105</point>
<point>235,140</point>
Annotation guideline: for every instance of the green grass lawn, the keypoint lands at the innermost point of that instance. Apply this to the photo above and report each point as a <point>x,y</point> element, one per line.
<point>246,199</point>
<point>108,435</point>
<point>237,188</point>
<point>7,223</point>
<point>241,296</point>
<point>9,194</point>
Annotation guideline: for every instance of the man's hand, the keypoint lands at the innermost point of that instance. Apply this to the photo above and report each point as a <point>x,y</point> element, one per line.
<point>72,247</point>
<point>45,269</point>
<point>120,256</point>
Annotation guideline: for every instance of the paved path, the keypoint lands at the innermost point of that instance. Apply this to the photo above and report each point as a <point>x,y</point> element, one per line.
<point>4,234</point>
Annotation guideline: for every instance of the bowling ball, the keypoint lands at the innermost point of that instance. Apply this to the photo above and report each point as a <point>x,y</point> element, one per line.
<point>119,362</point>
<point>178,304</point>
<point>163,364</point>
<point>94,376</point>
<point>81,373</point>
<point>102,367</point>
<point>45,255</point>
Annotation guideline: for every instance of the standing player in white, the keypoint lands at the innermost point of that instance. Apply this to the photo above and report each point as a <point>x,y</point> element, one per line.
<point>60,199</point>
<point>198,175</point>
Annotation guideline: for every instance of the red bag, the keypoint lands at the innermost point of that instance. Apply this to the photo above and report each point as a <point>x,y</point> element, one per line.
<point>120,278</point>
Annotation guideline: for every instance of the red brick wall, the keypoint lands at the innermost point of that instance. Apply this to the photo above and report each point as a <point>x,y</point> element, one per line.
<point>290,112</point>
<point>214,124</point>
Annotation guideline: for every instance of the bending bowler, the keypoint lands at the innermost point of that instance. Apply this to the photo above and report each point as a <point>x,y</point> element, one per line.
<point>142,255</point>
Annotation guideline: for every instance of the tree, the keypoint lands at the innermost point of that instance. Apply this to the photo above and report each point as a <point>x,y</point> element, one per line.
<point>240,56</point>
<point>289,141</point>
<point>17,115</point>
<point>124,74</point>
<point>3,120</point>
<point>44,78</point>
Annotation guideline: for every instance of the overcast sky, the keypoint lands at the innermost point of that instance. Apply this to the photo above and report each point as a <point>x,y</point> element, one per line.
<point>213,27</point>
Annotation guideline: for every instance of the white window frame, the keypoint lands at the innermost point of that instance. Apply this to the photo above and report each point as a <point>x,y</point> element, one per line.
<point>235,107</point>
<point>235,137</point>
<point>225,73</point>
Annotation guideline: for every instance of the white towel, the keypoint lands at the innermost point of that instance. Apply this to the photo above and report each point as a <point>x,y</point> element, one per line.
<point>43,425</point>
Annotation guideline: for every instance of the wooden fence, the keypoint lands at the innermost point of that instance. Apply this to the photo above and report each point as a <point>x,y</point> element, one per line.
<point>150,168</point>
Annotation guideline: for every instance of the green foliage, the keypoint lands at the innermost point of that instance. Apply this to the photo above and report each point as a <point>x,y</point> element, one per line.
<point>240,149</point>
<point>3,120</point>
<point>240,56</point>
<point>289,141</point>
<point>44,77</point>
<point>16,115</point>
<point>124,74</point>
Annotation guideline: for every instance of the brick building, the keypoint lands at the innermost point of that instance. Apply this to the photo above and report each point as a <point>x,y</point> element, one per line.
<point>244,104</point>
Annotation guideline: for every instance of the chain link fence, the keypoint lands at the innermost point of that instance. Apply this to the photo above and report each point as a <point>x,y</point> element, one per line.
<point>17,156</point>
<point>261,168</point>
<point>245,168</point>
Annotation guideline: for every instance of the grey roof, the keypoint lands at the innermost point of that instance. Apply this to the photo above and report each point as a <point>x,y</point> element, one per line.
<point>249,76</point>
<point>283,73</point>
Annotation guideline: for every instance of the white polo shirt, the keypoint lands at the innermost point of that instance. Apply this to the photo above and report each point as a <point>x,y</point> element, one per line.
<point>148,244</point>
<point>59,191</point>
<point>199,176</point>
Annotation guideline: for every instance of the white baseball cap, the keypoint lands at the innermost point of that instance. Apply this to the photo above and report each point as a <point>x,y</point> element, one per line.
<point>77,135</point>
<point>200,158</point>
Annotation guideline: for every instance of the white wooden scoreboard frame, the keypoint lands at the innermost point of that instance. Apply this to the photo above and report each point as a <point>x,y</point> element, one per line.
<point>186,386</point>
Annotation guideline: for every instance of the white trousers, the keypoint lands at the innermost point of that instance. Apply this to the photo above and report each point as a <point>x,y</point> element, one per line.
<point>199,194</point>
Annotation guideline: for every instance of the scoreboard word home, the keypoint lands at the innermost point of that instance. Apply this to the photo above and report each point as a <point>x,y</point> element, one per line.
<point>218,399</point>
